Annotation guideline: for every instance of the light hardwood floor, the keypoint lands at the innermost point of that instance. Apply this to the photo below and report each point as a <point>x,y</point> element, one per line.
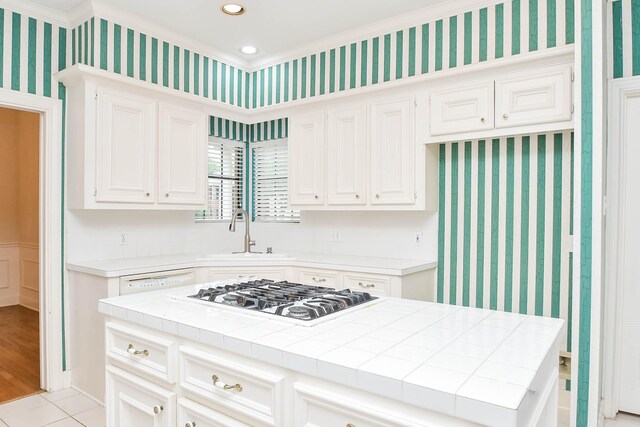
<point>19,353</point>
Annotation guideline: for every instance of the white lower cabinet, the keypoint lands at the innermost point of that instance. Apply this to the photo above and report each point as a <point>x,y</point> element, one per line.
<point>248,393</point>
<point>132,401</point>
<point>322,407</point>
<point>191,414</point>
<point>224,273</point>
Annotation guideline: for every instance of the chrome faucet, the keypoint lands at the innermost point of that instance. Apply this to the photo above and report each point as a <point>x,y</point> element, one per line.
<point>247,239</point>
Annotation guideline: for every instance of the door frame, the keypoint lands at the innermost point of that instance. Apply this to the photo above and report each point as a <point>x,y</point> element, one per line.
<point>51,239</point>
<point>619,91</point>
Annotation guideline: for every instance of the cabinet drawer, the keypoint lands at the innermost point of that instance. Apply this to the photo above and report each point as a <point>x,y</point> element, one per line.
<point>191,414</point>
<point>319,278</point>
<point>141,351</point>
<point>132,401</point>
<point>250,394</point>
<point>536,97</point>
<point>463,109</point>
<point>244,273</point>
<point>375,285</point>
<point>318,407</point>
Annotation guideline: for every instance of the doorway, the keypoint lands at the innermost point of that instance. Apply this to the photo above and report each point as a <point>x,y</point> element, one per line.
<point>19,253</point>
<point>621,372</point>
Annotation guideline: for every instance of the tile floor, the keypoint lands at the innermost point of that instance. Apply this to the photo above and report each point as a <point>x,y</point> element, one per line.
<point>64,408</point>
<point>623,420</point>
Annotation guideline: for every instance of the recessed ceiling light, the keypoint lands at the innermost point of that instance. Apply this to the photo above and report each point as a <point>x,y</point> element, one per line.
<point>232,9</point>
<point>249,50</point>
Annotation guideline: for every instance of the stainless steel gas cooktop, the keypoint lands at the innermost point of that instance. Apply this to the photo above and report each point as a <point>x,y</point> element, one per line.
<point>294,300</point>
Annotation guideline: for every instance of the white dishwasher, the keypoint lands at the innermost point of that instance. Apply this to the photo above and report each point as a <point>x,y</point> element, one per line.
<point>156,281</point>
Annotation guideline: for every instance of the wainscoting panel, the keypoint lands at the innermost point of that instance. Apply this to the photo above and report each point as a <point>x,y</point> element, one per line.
<point>29,277</point>
<point>9,274</point>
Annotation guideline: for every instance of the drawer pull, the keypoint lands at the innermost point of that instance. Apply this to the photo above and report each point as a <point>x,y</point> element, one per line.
<point>191,424</point>
<point>220,384</point>
<point>318,280</point>
<point>158,409</point>
<point>367,286</point>
<point>351,425</point>
<point>132,350</point>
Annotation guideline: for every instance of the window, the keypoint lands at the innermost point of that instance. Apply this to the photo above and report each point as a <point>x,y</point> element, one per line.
<point>270,191</point>
<point>226,180</point>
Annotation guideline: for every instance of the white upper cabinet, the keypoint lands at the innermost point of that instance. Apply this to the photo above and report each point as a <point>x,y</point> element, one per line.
<point>462,109</point>
<point>346,163</point>
<point>306,159</point>
<point>393,151</point>
<point>369,158</point>
<point>133,148</point>
<point>182,156</point>
<point>538,99</point>
<point>533,98</point>
<point>125,151</point>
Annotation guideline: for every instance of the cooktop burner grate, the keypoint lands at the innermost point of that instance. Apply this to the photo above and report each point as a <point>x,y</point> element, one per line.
<point>295,300</point>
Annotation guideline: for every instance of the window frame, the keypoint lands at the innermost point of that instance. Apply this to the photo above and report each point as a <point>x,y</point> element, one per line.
<point>245,171</point>
<point>252,180</point>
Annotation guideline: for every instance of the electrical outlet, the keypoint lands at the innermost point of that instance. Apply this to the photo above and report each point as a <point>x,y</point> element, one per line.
<point>335,235</point>
<point>124,239</point>
<point>418,237</point>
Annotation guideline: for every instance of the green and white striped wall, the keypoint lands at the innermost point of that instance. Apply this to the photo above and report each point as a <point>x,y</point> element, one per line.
<point>31,51</point>
<point>112,47</point>
<point>263,131</point>
<point>497,31</point>
<point>485,34</point>
<point>624,48</point>
<point>505,217</point>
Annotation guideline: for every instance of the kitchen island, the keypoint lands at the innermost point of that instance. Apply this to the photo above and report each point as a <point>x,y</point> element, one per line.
<point>391,362</point>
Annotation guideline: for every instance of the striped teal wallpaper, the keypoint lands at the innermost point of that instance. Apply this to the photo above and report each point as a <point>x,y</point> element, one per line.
<point>498,31</point>
<point>624,21</point>
<point>129,52</point>
<point>263,131</point>
<point>501,30</point>
<point>505,219</point>
<point>31,51</point>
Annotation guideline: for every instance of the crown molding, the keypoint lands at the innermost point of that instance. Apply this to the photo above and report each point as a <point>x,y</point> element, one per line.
<point>37,11</point>
<point>407,20</point>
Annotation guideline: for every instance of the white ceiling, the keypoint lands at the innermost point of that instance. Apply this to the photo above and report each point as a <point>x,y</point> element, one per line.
<point>273,26</point>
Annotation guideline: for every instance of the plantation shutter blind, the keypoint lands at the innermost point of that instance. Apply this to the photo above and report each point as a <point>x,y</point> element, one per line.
<point>270,183</point>
<point>226,180</point>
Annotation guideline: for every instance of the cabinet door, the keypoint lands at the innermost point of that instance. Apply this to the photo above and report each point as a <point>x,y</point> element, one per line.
<point>191,414</point>
<point>132,401</point>
<point>535,97</point>
<point>306,160</point>
<point>462,109</point>
<point>393,152</point>
<point>125,149</point>
<point>182,156</point>
<point>346,163</point>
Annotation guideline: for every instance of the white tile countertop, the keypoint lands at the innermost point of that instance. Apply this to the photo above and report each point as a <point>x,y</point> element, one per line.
<point>128,266</point>
<point>479,365</point>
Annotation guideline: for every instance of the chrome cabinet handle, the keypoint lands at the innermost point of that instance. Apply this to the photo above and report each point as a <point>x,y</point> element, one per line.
<point>158,409</point>
<point>191,424</point>
<point>357,196</point>
<point>166,194</point>
<point>148,194</point>
<point>370,285</point>
<point>351,425</point>
<point>318,280</point>
<point>505,116</point>
<point>220,384</point>
<point>482,119</point>
<point>315,197</point>
<point>132,350</point>
<point>377,196</point>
